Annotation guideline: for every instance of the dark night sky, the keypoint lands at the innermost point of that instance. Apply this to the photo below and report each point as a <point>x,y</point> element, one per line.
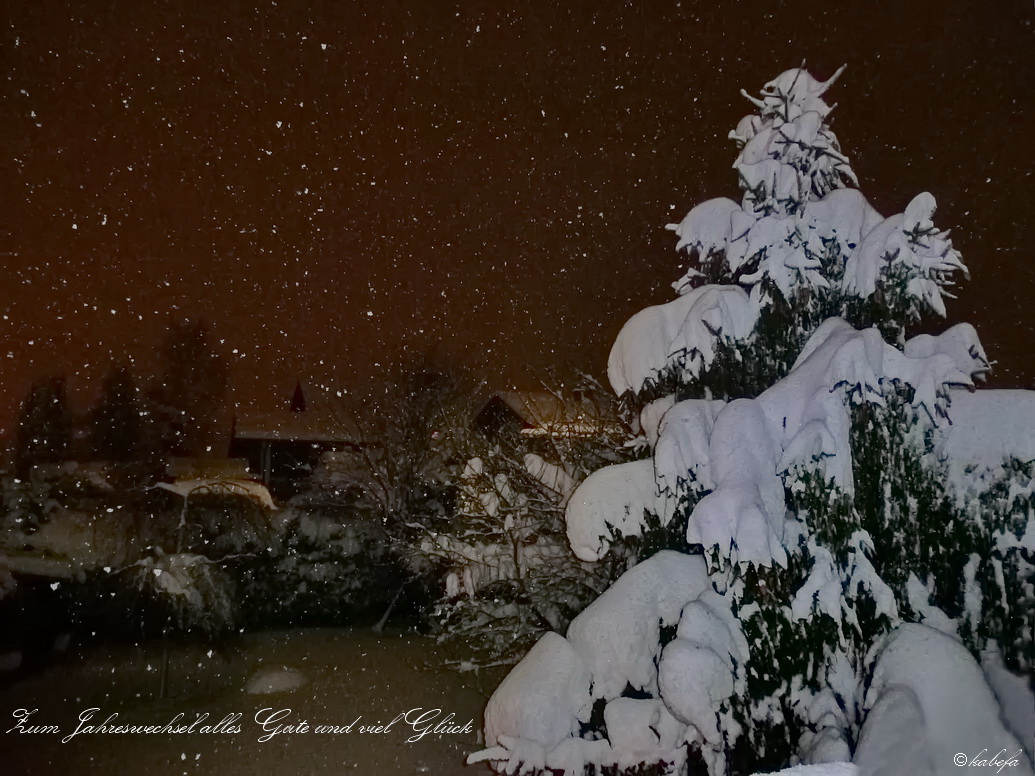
<point>336,185</point>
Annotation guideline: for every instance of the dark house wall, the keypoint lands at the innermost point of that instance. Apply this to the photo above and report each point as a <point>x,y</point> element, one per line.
<point>498,419</point>
<point>283,465</point>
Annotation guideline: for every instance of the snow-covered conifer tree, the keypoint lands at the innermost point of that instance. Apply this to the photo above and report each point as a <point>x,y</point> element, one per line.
<point>832,523</point>
<point>44,426</point>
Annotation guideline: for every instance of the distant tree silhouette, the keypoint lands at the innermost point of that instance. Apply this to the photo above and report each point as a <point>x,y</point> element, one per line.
<point>115,432</point>
<point>44,426</point>
<point>183,404</point>
<point>404,431</point>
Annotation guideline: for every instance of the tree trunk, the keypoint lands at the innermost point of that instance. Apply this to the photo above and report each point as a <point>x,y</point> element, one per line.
<point>384,618</point>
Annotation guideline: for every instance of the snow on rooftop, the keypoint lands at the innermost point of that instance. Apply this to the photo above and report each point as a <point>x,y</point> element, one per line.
<point>186,488</point>
<point>550,413</point>
<point>309,426</point>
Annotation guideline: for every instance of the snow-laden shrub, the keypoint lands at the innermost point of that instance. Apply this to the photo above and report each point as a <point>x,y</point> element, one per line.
<point>809,457</point>
<point>332,564</point>
<point>509,574</point>
<point>216,517</point>
<point>196,594</point>
<point>30,504</point>
<point>503,560</point>
<point>194,542</point>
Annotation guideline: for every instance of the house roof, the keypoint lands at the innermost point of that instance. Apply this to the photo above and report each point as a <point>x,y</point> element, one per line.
<point>310,416</point>
<point>298,427</point>
<point>545,413</point>
<point>316,416</point>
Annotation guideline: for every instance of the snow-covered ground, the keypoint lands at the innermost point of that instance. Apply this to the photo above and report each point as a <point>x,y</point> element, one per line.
<point>824,769</point>
<point>344,674</point>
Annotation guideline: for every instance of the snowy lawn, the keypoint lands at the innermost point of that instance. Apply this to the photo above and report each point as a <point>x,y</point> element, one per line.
<point>325,677</point>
